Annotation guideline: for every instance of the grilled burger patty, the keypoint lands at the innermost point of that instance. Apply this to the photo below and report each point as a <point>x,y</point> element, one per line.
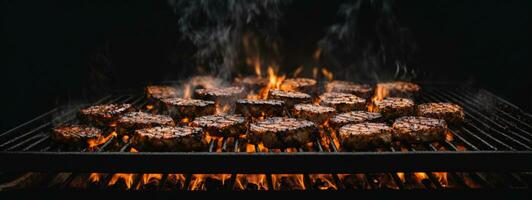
<point>342,102</point>
<point>165,138</point>
<point>450,112</point>
<point>75,136</point>
<point>354,117</point>
<point>221,125</point>
<point>392,107</point>
<point>160,92</point>
<point>289,98</point>
<point>398,89</point>
<point>282,132</point>
<point>180,108</point>
<point>102,115</point>
<point>256,107</point>
<point>365,135</point>
<point>314,113</point>
<point>251,82</point>
<point>419,129</point>
<point>223,95</point>
<point>138,120</point>
<point>361,90</point>
<point>305,85</point>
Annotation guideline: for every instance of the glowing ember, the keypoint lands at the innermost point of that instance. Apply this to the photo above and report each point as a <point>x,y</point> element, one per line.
<point>185,120</point>
<point>149,107</point>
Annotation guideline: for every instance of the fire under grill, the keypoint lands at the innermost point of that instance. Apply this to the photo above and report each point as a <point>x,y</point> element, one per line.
<point>491,149</point>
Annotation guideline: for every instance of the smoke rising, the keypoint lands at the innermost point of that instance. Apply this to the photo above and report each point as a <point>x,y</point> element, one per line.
<point>216,28</point>
<point>368,44</point>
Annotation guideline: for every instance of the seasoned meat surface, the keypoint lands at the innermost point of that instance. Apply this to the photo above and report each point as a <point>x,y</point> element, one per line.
<point>305,85</point>
<point>361,90</point>
<point>221,125</point>
<point>365,135</point>
<point>289,98</point>
<point>259,108</point>
<point>104,114</point>
<point>342,102</point>
<point>450,112</point>
<point>354,117</point>
<point>165,138</point>
<point>190,108</point>
<point>282,132</point>
<point>419,129</point>
<point>392,107</point>
<point>314,113</point>
<point>397,89</point>
<point>75,136</point>
<point>138,120</point>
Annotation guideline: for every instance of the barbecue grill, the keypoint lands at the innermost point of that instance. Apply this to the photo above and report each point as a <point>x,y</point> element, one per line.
<point>491,149</point>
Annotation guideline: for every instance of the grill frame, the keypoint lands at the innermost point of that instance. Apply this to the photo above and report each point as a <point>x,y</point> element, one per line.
<point>485,158</point>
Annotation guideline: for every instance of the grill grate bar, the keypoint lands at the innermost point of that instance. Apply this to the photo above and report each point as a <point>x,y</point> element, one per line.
<point>474,117</point>
<point>508,115</point>
<point>463,128</point>
<point>455,132</point>
<point>487,118</point>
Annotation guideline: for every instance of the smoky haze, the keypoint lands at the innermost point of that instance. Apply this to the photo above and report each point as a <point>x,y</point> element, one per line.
<point>217,28</point>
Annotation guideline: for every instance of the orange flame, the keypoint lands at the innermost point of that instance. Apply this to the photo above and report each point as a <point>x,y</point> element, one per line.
<point>187,91</point>
<point>317,54</point>
<point>93,143</point>
<point>127,178</point>
<point>94,177</point>
<point>197,181</point>
<point>298,71</point>
<point>442,178</point>
<point>221,109</point>
<point>329,75</point>
<point>274,82</point>
<point>315,72</point>
<point>258,180</point>
<point>323,181</point>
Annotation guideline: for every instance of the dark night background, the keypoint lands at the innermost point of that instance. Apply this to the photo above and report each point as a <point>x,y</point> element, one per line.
<point>52,48</point>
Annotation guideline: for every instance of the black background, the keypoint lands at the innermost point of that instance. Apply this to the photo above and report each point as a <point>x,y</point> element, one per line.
<point>51,48</point>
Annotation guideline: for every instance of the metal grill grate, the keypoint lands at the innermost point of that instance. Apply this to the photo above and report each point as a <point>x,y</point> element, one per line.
<point>495,131</point>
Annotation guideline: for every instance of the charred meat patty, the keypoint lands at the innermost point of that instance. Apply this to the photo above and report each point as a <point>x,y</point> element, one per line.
<point>180,108</point>
<point>392,107</point>
<point>397,89</point>
<point>342,102</point>
<point>75,136</point>
<point>289,98</point>
<point>166,138</point>
<point>354,117</point>
<point>282,132</point>
<point>305,85</point>
<point>365,135</point>
<point>419,129</point>
<point>221,95</point>
<point>314,113</point>
<point>221,125</point>
<point>259,108</point>
<point>138,120</point>
<point>104,114</point>
<point>361,90</point>
<point>450,112</point>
